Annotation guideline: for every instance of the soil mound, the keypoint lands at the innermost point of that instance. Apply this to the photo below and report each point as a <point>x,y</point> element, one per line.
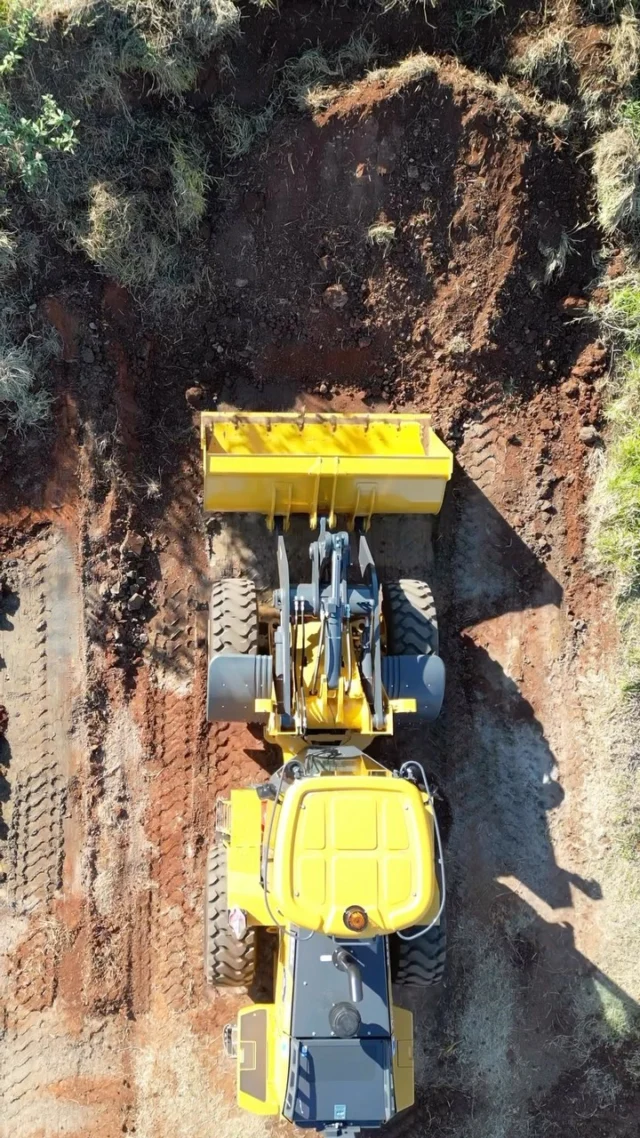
<point>417,229</point>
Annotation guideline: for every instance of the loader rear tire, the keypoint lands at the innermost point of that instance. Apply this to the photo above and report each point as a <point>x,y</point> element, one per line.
<point>420,963</point>
<point>410,618</point>
<point>233,617</point>
<point>229,962</point>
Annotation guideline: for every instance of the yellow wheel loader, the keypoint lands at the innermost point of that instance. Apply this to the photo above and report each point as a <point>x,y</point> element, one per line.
<point>338,856</point>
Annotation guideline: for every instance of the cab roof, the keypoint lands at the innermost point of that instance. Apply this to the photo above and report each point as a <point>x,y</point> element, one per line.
<point>353,840</point>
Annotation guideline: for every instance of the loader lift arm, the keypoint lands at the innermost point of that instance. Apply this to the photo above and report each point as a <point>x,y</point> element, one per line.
<point>334,603</point>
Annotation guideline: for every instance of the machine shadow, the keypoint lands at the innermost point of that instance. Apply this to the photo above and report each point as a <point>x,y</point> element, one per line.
<point>500,783</point>
<point>561,1066</point>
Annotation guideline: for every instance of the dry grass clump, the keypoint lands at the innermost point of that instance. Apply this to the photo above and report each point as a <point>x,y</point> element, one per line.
<point>238,129</point>
<point>548,63</point>
<point>616,167</point>
<point>311,80</point>
<point>8,254</point>
<point>624,58</point>
<point>555,256</point>
<point>412,68</point>
<point>382,234</point>
<point>141,250</point>
<point>24,405</point>
<point>603,91</point>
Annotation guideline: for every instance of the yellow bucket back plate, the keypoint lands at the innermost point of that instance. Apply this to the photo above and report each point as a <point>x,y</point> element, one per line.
<point>352,465</point>
<point>353,840</point>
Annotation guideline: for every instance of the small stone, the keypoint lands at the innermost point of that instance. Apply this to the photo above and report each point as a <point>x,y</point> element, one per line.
<point>572,389</point>
<point>514,441</point>
<point>194,396</point>
<point>323,388</point>
<point>87,355</point>
<point>547,425</point>
<point>335,296</point>
<point>136,601</point>
<point>413,173</point>
<point>325,263</point>
<point>93,326</point>
<point>548,508</point>
<point>241,282</point>
<point>41,626</point>
<point>573,304</point>
<point>104,588</point>
<point>589,435</point>
<point>133,543</point>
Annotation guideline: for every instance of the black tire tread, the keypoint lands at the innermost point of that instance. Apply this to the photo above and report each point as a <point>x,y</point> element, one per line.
<point>410,618</point>
<point>421,962</point>
<point>229,962</point>
<point>233,617</point>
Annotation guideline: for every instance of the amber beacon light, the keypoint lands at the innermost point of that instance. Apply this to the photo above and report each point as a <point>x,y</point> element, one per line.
<point>355,918</point>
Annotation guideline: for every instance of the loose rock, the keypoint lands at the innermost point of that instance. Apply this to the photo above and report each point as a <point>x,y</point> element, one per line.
<point>335,296</point>
<point>194,396</point>
<point>133,543</point>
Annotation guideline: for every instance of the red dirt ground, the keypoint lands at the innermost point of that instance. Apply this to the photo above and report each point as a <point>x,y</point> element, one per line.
<point>109,1027</point>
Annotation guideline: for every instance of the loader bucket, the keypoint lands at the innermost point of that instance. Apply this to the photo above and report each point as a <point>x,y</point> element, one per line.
<point>322,464</point>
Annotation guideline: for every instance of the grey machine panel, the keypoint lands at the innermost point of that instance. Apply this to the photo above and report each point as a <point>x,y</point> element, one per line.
<point>234,683</point>
<point>340,1081</point>
<point>254,1050</point>
<point>318,985</point>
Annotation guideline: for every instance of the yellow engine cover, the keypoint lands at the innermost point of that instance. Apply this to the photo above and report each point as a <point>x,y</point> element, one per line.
<point>354,840</point>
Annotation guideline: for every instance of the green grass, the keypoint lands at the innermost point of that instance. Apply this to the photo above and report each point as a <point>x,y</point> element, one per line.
<point>617,492</point>
<point>26,142</point>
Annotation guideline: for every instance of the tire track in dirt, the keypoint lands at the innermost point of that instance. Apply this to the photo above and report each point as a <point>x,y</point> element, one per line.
<point>478,534</point>
<point>169,707</point>
<point>41,648</point>
<point>171,825</point>
<point>37,800</point>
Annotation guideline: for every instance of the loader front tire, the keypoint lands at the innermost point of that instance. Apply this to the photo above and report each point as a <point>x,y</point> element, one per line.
<point>420,963</point>
<point>233,617</point>
<point>229,962</point>
<point>410,618</point>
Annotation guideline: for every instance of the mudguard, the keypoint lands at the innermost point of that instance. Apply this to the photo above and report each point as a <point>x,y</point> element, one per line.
<point>234,683</point>
<point>416,677</point>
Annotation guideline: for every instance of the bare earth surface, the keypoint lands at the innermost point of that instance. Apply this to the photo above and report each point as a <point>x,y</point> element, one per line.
<point>109,772</point>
